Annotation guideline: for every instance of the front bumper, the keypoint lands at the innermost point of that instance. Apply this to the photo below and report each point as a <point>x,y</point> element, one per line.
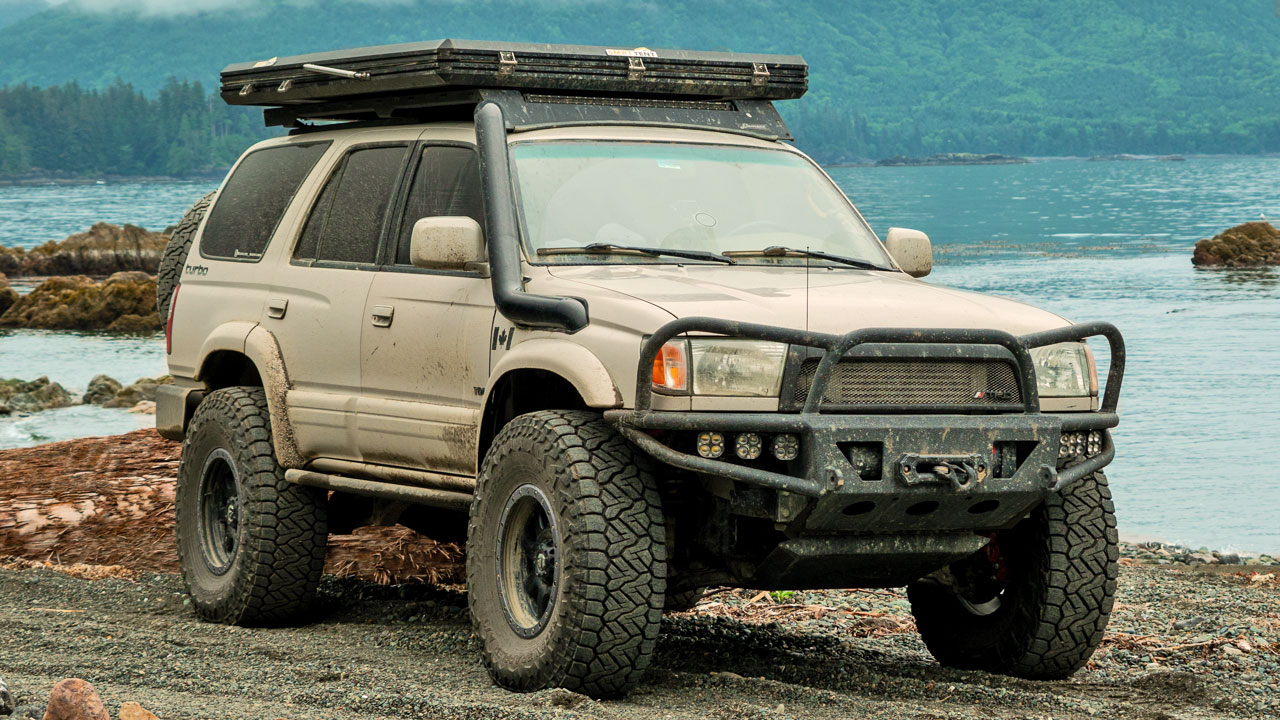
<point>902,497</point>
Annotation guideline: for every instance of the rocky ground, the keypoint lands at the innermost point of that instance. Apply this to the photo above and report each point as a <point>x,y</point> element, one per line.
<point>1194,635</point>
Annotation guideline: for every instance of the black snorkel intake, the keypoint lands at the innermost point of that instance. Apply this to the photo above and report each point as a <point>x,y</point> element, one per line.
<point>516,305</point>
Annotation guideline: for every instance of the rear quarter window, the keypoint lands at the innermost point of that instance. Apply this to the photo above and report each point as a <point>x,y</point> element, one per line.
<point>254,199</point>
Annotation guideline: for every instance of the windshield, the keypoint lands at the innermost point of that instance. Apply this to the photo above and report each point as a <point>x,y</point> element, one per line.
<point>605,202</point>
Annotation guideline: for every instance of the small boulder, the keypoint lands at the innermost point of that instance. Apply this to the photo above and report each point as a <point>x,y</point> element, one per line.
<point>102,390</point>
<point>1252,244</point>
<point>75,699</point>
<point>133,711</point>
<point>146,407</point>
<point>33,396</point>
<point>78,303</point>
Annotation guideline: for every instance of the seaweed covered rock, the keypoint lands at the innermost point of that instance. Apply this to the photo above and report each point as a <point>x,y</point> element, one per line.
<point>32,396</point>
<point>8,296</point>
<point>1252,244</point>
<point>124,302</point>
<point>144,390</point>
<point>102,250</point>
<point>102,390</point>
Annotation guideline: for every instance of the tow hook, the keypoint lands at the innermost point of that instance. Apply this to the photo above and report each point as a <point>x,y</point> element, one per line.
<point>961,472</point>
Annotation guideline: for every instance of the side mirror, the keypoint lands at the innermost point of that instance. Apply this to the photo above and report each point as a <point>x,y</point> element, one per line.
<point>447,243</point>
<point>911,250</point>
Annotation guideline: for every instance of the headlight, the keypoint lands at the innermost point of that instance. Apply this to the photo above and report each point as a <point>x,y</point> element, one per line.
<point>1064,370</point>
<point>720,366</point>
<point>737,367</point>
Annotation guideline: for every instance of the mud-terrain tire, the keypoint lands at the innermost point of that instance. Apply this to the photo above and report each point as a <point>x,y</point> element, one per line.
<point>1057,595</point>
<point>175,253</point>
<point>684,600</point>
<point>251,544</point>
<point>566,562</point>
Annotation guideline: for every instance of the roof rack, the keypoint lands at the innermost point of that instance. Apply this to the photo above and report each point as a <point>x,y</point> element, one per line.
<point>537,85</point>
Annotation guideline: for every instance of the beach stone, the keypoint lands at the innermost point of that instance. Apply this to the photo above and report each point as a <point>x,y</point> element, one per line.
<point>133,711</point>
<point>1191,623</point>
<point>102,390</point>
<point>144,390</point>
<point>6,700</point>
<point>28,711</point>
<point>1230,559</point>
<point>101,250</point>
<point>75,699</point>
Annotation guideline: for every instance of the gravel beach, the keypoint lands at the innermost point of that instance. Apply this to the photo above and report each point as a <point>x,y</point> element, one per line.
<point>1185,642</point>
<point>1195,634</point>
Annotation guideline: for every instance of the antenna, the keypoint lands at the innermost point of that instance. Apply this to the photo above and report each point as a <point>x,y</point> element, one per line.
<point>806,288</point>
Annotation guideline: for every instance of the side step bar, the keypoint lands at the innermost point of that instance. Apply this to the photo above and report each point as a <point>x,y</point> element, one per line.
<point>378,489</point>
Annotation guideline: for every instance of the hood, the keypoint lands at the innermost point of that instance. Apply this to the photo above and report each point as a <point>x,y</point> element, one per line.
<point>839,300</point>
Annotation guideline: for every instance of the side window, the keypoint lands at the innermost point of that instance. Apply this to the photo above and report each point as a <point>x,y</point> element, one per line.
<point>254,199</point>
<point>447,182</point>
<point>346,221</point>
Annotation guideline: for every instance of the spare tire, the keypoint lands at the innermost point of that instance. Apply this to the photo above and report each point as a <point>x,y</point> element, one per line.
<point>175,253</point>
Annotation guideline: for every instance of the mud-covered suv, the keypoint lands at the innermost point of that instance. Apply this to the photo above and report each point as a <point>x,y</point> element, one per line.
<point>613,331</point>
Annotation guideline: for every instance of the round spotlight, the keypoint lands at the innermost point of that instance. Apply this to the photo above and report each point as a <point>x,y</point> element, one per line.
<point>710,445</point>
<point>786,447</point>
<point>1095,442</point>
<point>749,446</point>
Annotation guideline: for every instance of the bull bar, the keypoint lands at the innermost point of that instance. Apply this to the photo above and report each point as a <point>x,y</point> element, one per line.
<point>634,424</point>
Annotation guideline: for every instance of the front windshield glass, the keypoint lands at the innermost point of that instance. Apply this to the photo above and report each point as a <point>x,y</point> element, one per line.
<point>605,202</point>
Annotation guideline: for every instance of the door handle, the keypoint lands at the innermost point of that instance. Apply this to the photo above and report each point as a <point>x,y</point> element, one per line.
<point>276,307</point>
<point>382,315</point>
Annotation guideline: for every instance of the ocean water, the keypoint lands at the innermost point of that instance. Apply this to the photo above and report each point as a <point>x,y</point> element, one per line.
<point>1200,426</point>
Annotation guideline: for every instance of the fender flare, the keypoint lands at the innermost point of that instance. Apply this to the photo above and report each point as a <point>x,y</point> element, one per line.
<point>259,345</point>
<point>569,360</point>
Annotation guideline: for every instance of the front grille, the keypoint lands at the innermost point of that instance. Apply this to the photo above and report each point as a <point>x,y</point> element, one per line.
<point>914,383</point>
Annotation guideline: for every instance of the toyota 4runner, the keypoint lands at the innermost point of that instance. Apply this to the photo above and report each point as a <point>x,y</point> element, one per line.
<point>585,309</point>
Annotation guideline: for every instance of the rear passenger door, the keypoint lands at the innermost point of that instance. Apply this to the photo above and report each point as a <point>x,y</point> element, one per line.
<point>316,305</point>
<point>425,340</point>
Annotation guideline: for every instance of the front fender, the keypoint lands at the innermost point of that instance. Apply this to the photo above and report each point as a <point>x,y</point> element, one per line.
<point>567,359</point>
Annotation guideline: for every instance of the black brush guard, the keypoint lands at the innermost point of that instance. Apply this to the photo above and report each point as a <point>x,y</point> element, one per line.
<point>821,426</point>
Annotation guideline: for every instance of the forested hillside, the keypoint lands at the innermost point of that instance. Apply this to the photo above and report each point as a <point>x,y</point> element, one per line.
<point>1045,77</point>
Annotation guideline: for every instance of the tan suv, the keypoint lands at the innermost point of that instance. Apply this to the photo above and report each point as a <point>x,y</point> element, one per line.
<point>629,344</point>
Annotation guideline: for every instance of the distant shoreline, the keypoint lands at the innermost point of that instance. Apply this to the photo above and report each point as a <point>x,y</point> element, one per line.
<point>42,180</point>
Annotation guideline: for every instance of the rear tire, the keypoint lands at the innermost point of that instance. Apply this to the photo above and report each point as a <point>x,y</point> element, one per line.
<point>175,254</point>
<point>566,562</point>
<point>251,544</point>
<point>1033,604</point>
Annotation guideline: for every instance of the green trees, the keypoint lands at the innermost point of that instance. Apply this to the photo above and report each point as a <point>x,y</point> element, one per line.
<point>70,131</point>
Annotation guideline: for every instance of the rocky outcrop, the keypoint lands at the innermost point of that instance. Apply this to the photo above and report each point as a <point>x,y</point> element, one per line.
<point>34,396</point>
<point>953,159</point>
<point>1253,244</point>
<point>102,250</point>
<point>124,302</point>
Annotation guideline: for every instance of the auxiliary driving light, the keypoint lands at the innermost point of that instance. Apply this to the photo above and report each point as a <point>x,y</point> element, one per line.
<point>748,446</point>
<point>1095,443</point>
<point>786,447</point>
<point>710,445</point>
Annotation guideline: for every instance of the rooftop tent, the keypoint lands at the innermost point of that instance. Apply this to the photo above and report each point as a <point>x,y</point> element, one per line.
<point>539,85</point>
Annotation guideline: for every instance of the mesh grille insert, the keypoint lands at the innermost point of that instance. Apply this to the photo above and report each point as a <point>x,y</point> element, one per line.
<point>914,382</point>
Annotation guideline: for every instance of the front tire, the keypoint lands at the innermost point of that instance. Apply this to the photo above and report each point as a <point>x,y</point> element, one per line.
<point>251,544</point>
<point>1034,602</point>
<point>566,562</point>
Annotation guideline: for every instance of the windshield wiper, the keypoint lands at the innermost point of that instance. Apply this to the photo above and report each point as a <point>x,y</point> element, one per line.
<point>780,251</point>
<point>610,247</point>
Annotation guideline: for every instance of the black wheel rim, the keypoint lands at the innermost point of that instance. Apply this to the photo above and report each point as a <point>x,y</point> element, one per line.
<point>981,581</point>
<point>528,560</point>
<point>219,511</point>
